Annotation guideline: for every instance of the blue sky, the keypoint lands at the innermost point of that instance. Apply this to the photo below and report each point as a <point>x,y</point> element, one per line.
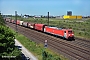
<point>41,7</point>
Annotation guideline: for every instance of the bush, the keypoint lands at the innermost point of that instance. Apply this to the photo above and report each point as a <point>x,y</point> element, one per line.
<point>7,44</point>
<point>47,56</point>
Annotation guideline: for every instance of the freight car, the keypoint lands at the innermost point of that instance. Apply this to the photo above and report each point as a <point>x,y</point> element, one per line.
<point>7,19</point>
<point>31,25</point>
<point>18,22</point>
<point>21,22</point>
<point>12,21</point>
<point>39,27</point>
<point>25,24</point>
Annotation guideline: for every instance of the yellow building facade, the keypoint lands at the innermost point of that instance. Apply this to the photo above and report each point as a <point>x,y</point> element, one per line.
<point>72,17</point>
<point>79,17</point>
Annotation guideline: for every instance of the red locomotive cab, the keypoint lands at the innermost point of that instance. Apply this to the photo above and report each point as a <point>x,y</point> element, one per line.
<point>70,34</point>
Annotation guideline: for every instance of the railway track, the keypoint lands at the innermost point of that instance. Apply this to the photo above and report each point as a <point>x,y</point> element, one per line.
<point>80,43</point>
<point>66,48</point>
<point>80,39</point>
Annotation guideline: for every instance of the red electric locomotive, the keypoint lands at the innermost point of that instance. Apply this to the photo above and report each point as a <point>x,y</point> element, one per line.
<point>65,33</point>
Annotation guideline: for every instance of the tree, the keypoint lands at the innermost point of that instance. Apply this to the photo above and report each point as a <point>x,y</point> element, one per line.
<point>7,43</point>
<point>1,20</point>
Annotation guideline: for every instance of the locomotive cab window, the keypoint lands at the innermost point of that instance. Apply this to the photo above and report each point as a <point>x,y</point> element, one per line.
<point>69,32</point>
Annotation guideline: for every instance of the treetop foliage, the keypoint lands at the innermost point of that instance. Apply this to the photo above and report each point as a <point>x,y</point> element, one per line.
<point>6,40</point>
<point>1,20</point>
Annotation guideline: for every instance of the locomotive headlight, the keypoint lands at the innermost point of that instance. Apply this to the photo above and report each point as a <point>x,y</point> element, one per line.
<point>72,34</point>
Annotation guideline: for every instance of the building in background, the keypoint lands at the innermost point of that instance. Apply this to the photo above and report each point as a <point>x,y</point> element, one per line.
<point>59,17</point>
<point>69,13</point>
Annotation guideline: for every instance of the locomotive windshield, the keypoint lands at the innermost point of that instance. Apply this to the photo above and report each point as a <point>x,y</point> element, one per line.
<point>69,32</point>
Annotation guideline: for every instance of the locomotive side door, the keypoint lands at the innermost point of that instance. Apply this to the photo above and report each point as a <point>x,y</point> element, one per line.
<point>65,35</point>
